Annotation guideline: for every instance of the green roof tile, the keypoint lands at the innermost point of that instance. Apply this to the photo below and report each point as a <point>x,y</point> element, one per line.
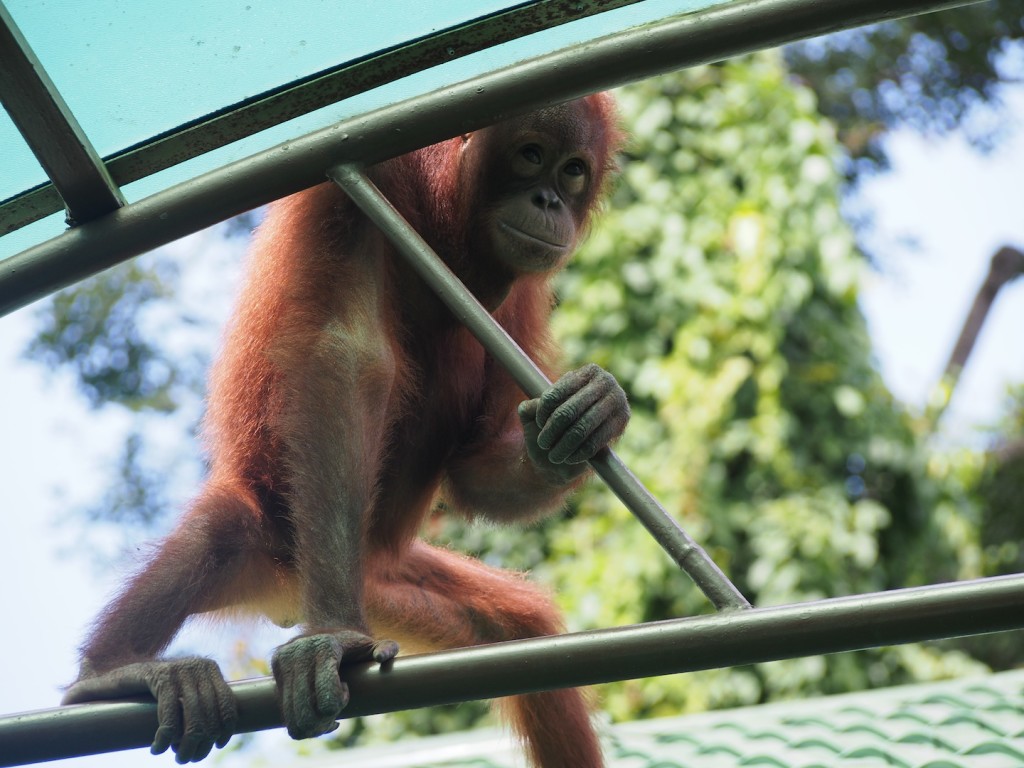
<point>972,723</point>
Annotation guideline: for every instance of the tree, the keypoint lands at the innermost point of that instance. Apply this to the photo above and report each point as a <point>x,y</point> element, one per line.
<point>137,340</point>
<point>932,73</point>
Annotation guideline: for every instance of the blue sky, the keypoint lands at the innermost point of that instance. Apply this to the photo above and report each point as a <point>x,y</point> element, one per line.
<point>960,207</point>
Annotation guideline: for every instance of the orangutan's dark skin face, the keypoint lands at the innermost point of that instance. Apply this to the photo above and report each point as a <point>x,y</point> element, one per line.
<point>540,169</point>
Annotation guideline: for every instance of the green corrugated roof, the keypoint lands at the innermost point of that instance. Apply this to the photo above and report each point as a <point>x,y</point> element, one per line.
<point>969,723</point>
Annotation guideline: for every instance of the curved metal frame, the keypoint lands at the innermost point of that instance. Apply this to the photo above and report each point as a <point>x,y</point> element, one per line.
<point>49,126</point>
<point>718,33</point>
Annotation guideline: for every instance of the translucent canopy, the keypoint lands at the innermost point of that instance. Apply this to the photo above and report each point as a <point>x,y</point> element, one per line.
<point>132,71</point>
<point>147,122</point>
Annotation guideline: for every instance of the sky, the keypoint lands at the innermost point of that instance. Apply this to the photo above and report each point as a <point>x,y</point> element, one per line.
<point>958,205</point>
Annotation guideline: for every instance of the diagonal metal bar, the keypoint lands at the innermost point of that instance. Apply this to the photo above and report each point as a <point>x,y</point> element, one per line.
<point>429,266</point>
<point>307,94</point>
<point>51,130</point>
<point>565,661</point>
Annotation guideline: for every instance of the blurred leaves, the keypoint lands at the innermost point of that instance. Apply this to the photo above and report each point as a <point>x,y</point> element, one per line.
<point>932,73</point>
<point>722,290</point>
<point>138,498</point>
<point>93,329</point>
<point>135,340</point>
<point>1000,484</point>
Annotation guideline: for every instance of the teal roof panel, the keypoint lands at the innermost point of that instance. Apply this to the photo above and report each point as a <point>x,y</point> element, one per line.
<point>132,71</point>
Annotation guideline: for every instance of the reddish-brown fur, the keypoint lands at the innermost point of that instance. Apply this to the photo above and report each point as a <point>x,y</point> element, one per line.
<point>345,400</point>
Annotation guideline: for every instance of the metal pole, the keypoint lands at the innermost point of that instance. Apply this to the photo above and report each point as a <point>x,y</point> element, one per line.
<point>564,661</point>
<point>717,33</point>
<point>428,265</point>
<point>51,130</point>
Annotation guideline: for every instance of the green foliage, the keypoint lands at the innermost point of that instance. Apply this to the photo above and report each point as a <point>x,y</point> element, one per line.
<point>137,337</point>
<point>998,484</point>
<point>93,328</point>
<point>722,290</point>
<point>1002,479</point>
<point>929,73</point>
<point>138,497</point>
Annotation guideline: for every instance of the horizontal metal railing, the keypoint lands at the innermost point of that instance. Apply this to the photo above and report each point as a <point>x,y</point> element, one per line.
<point>565,661</point>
